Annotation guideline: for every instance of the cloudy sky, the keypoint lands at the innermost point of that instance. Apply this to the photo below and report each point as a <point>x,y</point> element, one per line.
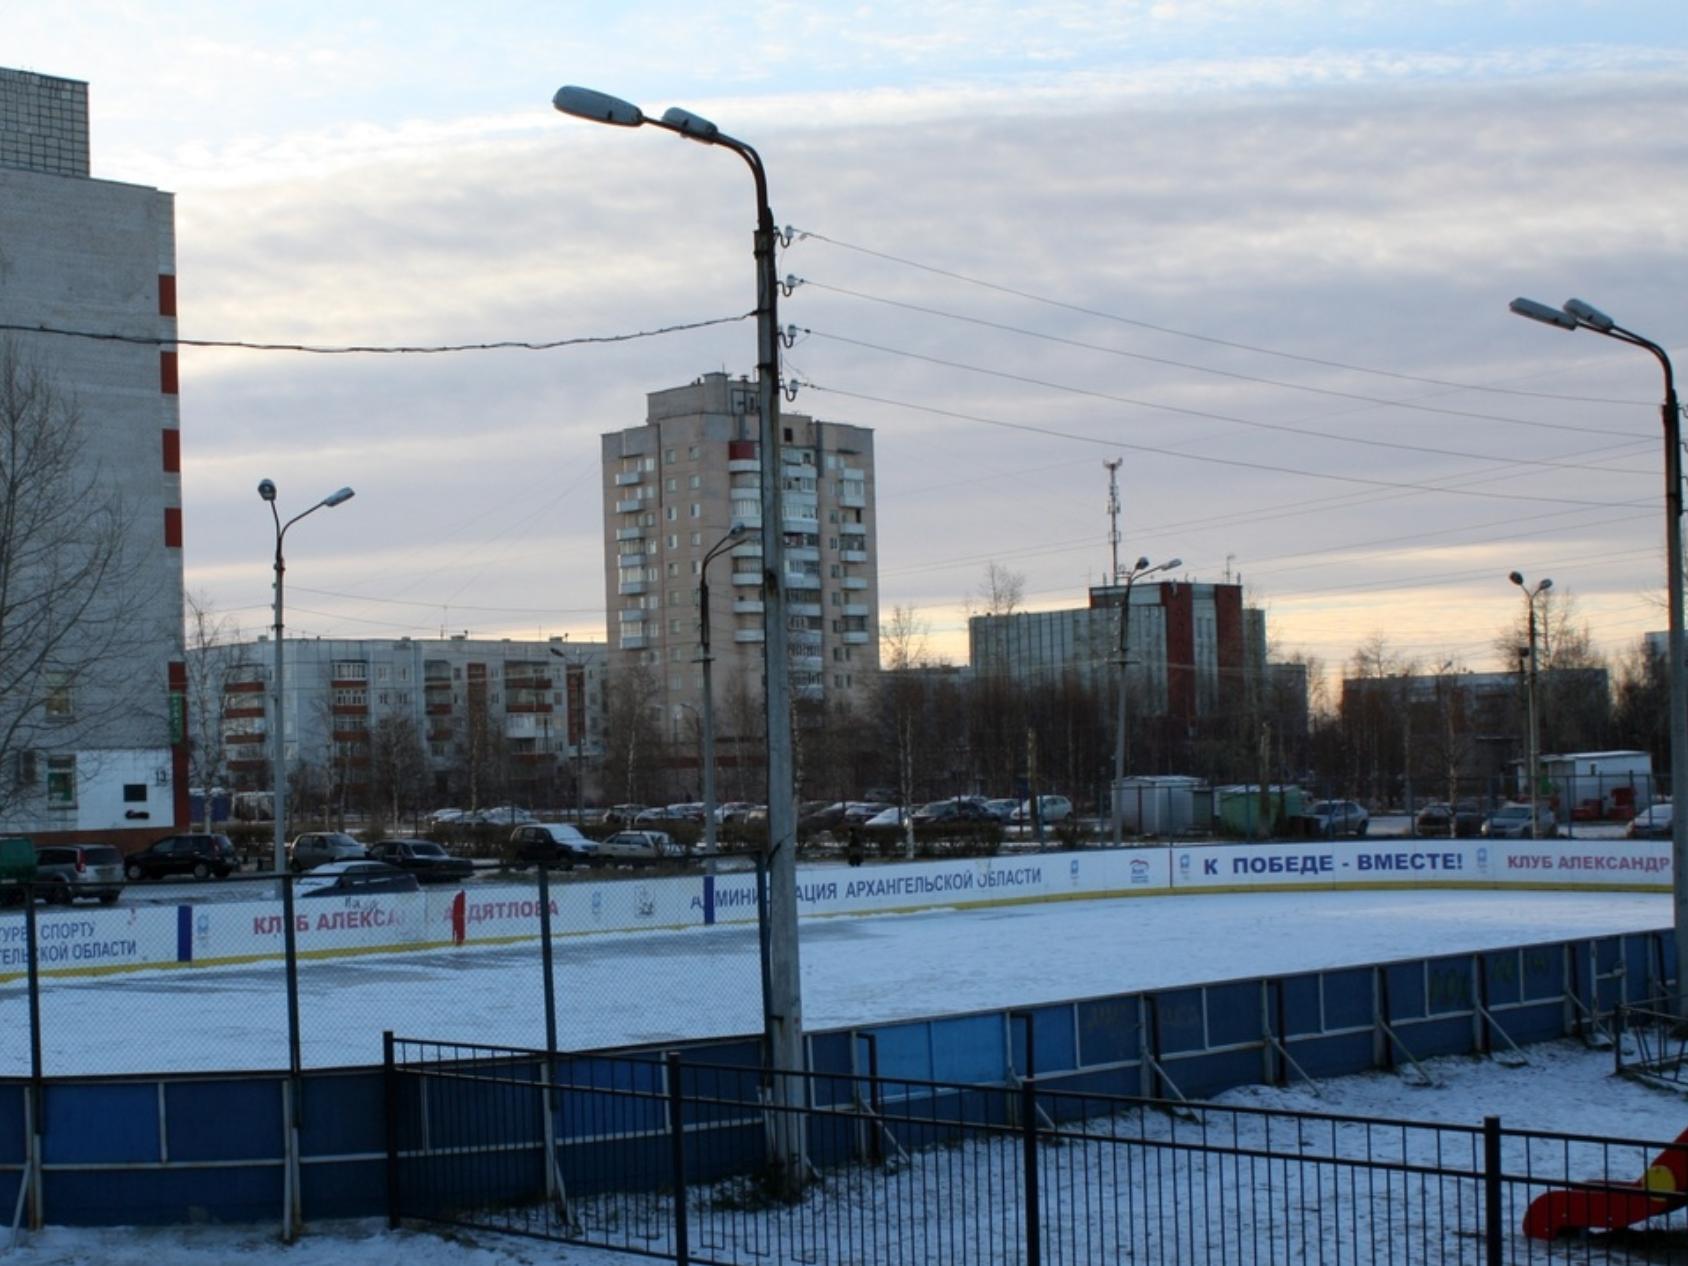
<point>1261,252</point>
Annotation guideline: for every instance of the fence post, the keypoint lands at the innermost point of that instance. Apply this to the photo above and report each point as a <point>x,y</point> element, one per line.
<point>293,1211</point>
<point>677,1150</point>
<point>37,1097</point>
<point>547,1103</point>
<point>390,1087</point>
<point>1491,1192</point>
<point>1028,1137</point>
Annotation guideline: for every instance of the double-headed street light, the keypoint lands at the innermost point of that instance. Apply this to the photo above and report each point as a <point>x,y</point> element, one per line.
<point>1531,593</point>
<point>783,1003</point>
<point>1131,577</point>
<point>1577,315</point>
<point>266,490</point>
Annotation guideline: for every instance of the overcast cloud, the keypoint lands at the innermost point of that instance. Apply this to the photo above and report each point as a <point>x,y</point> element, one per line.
<point>1358,184</point>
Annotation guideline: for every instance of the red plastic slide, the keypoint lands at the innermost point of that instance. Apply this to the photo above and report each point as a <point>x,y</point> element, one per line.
<point>1662,1188</point>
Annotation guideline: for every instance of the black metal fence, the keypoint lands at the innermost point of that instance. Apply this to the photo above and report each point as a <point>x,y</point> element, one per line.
<point>664,1157</point>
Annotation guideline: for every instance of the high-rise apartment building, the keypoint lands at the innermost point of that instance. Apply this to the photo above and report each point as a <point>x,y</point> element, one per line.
<point>673,489</point>
<point>93,740</point>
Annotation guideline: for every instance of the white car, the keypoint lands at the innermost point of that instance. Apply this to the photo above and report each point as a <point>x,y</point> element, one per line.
<point>886,819</point>
<point>1050,810</point>
<point>1325,819</point>
<point>641,844</point>
<point>1652,823</point>
<point>1512,822</point>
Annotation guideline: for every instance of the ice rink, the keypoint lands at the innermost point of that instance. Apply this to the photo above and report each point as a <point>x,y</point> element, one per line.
<point>662,986</point>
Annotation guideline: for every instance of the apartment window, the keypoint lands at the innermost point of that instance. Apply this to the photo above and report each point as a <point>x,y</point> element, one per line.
<point>673,512</point>
<point>349,698</point>
<point>383,698</point>
<point>676,597</point>
<point>837,598</point>
<point>382,672</point>
<point>838,680</point>
<point>834,571</point>
<point>673,540</point>
<point>670,484</point>
<point>697,539</point>
<point>667,457</point>
<point>351,670</point>
<point>697,566</point>
<point>838,654</point>
<point>674,626</point>
<point>61,782</point>
<point>697,510</point>
<point>60,701</point>
<point>832,541</point>
<point>692,451</point>
<point>403,696</point>
<point>673,569</point>
<point>696,481</point>
<point>647,519</point>
<point>647,463</point>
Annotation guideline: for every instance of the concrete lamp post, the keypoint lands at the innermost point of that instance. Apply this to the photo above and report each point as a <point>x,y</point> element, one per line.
<point>783,1004</point>
<point>1531,593</point>
<point>706,659</point>
<point>266,490</point>
<point>1577,315</point>
<point>1141,569</point>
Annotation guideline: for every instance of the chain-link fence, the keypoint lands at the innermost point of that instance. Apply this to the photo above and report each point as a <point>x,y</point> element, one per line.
<point>257,971</point>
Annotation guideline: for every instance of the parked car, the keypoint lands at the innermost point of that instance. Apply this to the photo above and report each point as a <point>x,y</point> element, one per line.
<point>501,815</point>
<point>622,814</point>
<point>1330,818</point>
<point>892,818</point>
<point>442,816</point>
<point>354,879</point>
<point>1433,819</point>
<point>550,842</point>
<point>318,848</point>
<point>639,844</point>
<point>733,811</point>
<point>959,810</point>
<point>1002,810</point>
<point>196,853</point>
<point>1651,823</point>
<point>1050,810</point>
<point>65,872</point>
<point>1512,822</point>
<point>428,861</point>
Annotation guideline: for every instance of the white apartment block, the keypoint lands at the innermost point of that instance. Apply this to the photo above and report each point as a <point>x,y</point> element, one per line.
<point>92,717</point>
<point>673,488</point>
<point>527,715</point>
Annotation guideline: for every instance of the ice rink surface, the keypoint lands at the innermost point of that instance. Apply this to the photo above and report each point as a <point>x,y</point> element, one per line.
<point>664,986</point>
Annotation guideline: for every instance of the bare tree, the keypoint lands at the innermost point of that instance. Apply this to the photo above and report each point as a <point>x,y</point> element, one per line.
<point>210,642</point>
<point>398,767</point>
<point>1002,590</point>
<point>633,733</point>
<point>902,650</point>
<point>67,598</point>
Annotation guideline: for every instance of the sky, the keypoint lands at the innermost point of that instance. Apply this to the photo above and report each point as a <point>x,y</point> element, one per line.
<point>1260,252</point>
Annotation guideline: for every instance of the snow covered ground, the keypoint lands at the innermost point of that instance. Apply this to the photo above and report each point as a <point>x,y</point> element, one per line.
<point>857,970</point>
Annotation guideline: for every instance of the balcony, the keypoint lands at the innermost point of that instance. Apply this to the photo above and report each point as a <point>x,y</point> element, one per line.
<point>857,608</point>
<point>753,578</point>
<point>630,560</point>
<point>628,505</point>
<point>747,635</point>
<point>803,553</point>
<point>853,555</point>
<point>242,714</point>
<point>633,640</point>
<point>744,465</point>
<point>627,478</point>
<point>853,582</point>
<point>811,609</point>
<point>633,615</point>
<point>438,709</point>
<point>807,663</point>
<point>857,637</point>
<point>634,586</point>
<point>748,606</point>
<point>799,521</point>
<point>750,549</point>
<point>853,495</point>
<point>629,533</point>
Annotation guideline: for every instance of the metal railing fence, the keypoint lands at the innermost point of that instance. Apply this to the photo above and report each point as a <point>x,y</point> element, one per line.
<point>661,1157</point>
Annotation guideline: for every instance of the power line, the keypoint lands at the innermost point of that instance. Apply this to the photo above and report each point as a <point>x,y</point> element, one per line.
<point>374,349</point>
<point>1179,364</point>
<point>1200,338</point>
<point>1195,457</point>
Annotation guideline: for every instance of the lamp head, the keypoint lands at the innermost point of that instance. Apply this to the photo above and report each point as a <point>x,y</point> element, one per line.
<point>1170,563</point>
<point>1517,578</point>
<point>737,530</point>
<point>692,125</point>
<point>1545,585</point>
<point>335,498</point>
<point>1541,312</point>
<point>597,107</point>
<point>1141,563</point>
<point>1589,315</point>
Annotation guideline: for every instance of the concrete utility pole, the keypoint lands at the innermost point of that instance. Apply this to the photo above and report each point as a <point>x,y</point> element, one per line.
<point>1141,569</point>
<point>783,1006</point>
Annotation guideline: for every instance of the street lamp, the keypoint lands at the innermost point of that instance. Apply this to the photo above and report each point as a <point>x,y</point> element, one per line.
<point>783,1003</point>
<point>1530,596</point>
<point>266,490</point>
<point>707,660</point>
<point>576,665</point>
<point>1577,315</point>
<point>1131,577</point>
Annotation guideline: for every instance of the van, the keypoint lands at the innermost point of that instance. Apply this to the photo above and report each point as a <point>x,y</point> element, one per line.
<point>17,870</point>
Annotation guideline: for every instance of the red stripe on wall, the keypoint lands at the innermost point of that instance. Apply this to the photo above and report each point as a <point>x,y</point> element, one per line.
<point>173,527</point>
<point>172,450</point>
<point>167,294</point>
<point>167,373</point>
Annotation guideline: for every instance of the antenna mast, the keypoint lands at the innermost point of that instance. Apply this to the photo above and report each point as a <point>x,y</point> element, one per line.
<point>1113,516</point>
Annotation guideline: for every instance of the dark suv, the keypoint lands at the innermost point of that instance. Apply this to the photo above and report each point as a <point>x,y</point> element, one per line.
<point>64,872</point>
<point>196,854</point>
